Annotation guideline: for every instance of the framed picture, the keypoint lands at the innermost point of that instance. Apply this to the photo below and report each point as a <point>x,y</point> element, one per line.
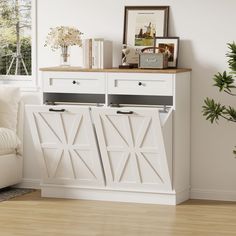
<point>169,45</point>
<point>141,25</point>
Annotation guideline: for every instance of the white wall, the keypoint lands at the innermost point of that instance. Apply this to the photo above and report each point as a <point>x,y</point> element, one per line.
<point>204,27</point>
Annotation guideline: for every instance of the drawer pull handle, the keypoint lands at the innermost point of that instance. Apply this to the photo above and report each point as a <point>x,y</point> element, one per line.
<point>57,110</point>
<point>75,82</point>
<point>140,83</point>
<point>125,112</point>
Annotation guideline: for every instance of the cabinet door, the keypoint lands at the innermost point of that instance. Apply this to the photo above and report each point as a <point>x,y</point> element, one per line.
<point>132,146</point>
<point>66,145</point>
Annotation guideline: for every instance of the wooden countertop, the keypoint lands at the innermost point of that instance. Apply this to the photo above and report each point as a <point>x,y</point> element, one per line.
<point>135,70</point>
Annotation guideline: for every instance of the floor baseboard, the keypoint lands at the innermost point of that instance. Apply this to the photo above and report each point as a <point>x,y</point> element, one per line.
<point>212,194</point>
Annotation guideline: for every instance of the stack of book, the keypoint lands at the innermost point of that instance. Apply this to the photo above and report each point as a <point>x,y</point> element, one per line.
<point>97,53</point>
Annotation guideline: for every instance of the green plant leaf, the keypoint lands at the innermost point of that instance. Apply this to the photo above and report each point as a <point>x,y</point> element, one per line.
<point>232,56</point>
<point>231,113</point>
<point>224,81</point>
<point>212,110</point>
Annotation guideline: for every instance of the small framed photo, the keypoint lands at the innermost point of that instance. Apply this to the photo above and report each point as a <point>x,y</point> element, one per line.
<point>141,25</point>
<point>169,45</point>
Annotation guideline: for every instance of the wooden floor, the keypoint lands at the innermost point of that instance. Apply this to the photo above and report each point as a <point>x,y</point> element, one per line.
<point>31,215</point>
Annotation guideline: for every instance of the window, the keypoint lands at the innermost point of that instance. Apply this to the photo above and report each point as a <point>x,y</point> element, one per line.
<point>17,41</point>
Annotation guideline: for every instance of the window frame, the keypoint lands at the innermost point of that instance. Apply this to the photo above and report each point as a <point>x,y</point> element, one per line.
<point>27,82</point>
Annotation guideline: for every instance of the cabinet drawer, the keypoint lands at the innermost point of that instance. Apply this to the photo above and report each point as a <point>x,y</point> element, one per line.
<point>140,84</point>
<point>69,82</point>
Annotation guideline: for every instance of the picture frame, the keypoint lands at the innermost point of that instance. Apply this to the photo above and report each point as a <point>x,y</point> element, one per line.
<point>169,45</point>
<point>141,25</point>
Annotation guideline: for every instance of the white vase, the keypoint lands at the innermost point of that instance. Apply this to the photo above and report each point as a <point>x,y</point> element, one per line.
<point>65,55</point>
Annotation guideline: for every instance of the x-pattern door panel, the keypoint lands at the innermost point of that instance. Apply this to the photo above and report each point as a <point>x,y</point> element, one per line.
<point>67,145</point>
<point>132,148</point>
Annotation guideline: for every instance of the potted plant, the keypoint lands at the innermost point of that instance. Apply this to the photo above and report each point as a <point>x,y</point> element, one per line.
<point>225,82</point>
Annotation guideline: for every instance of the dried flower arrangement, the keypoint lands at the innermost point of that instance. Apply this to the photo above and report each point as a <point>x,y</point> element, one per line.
<point>63,36</point>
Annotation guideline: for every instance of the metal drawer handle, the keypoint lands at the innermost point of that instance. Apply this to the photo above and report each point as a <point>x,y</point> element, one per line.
<point>125,112</point>
<point>75,82</point>
<point>57,110</point>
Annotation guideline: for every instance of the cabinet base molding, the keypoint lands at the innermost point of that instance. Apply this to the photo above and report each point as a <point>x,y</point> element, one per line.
<point>29,183</point>
<point>100,194</point>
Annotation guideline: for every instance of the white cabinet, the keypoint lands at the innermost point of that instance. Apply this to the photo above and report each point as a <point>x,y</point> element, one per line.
<point>137,151</point>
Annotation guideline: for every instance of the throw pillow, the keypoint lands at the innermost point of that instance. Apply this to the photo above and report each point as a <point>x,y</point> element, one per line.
<point>9,101</point>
